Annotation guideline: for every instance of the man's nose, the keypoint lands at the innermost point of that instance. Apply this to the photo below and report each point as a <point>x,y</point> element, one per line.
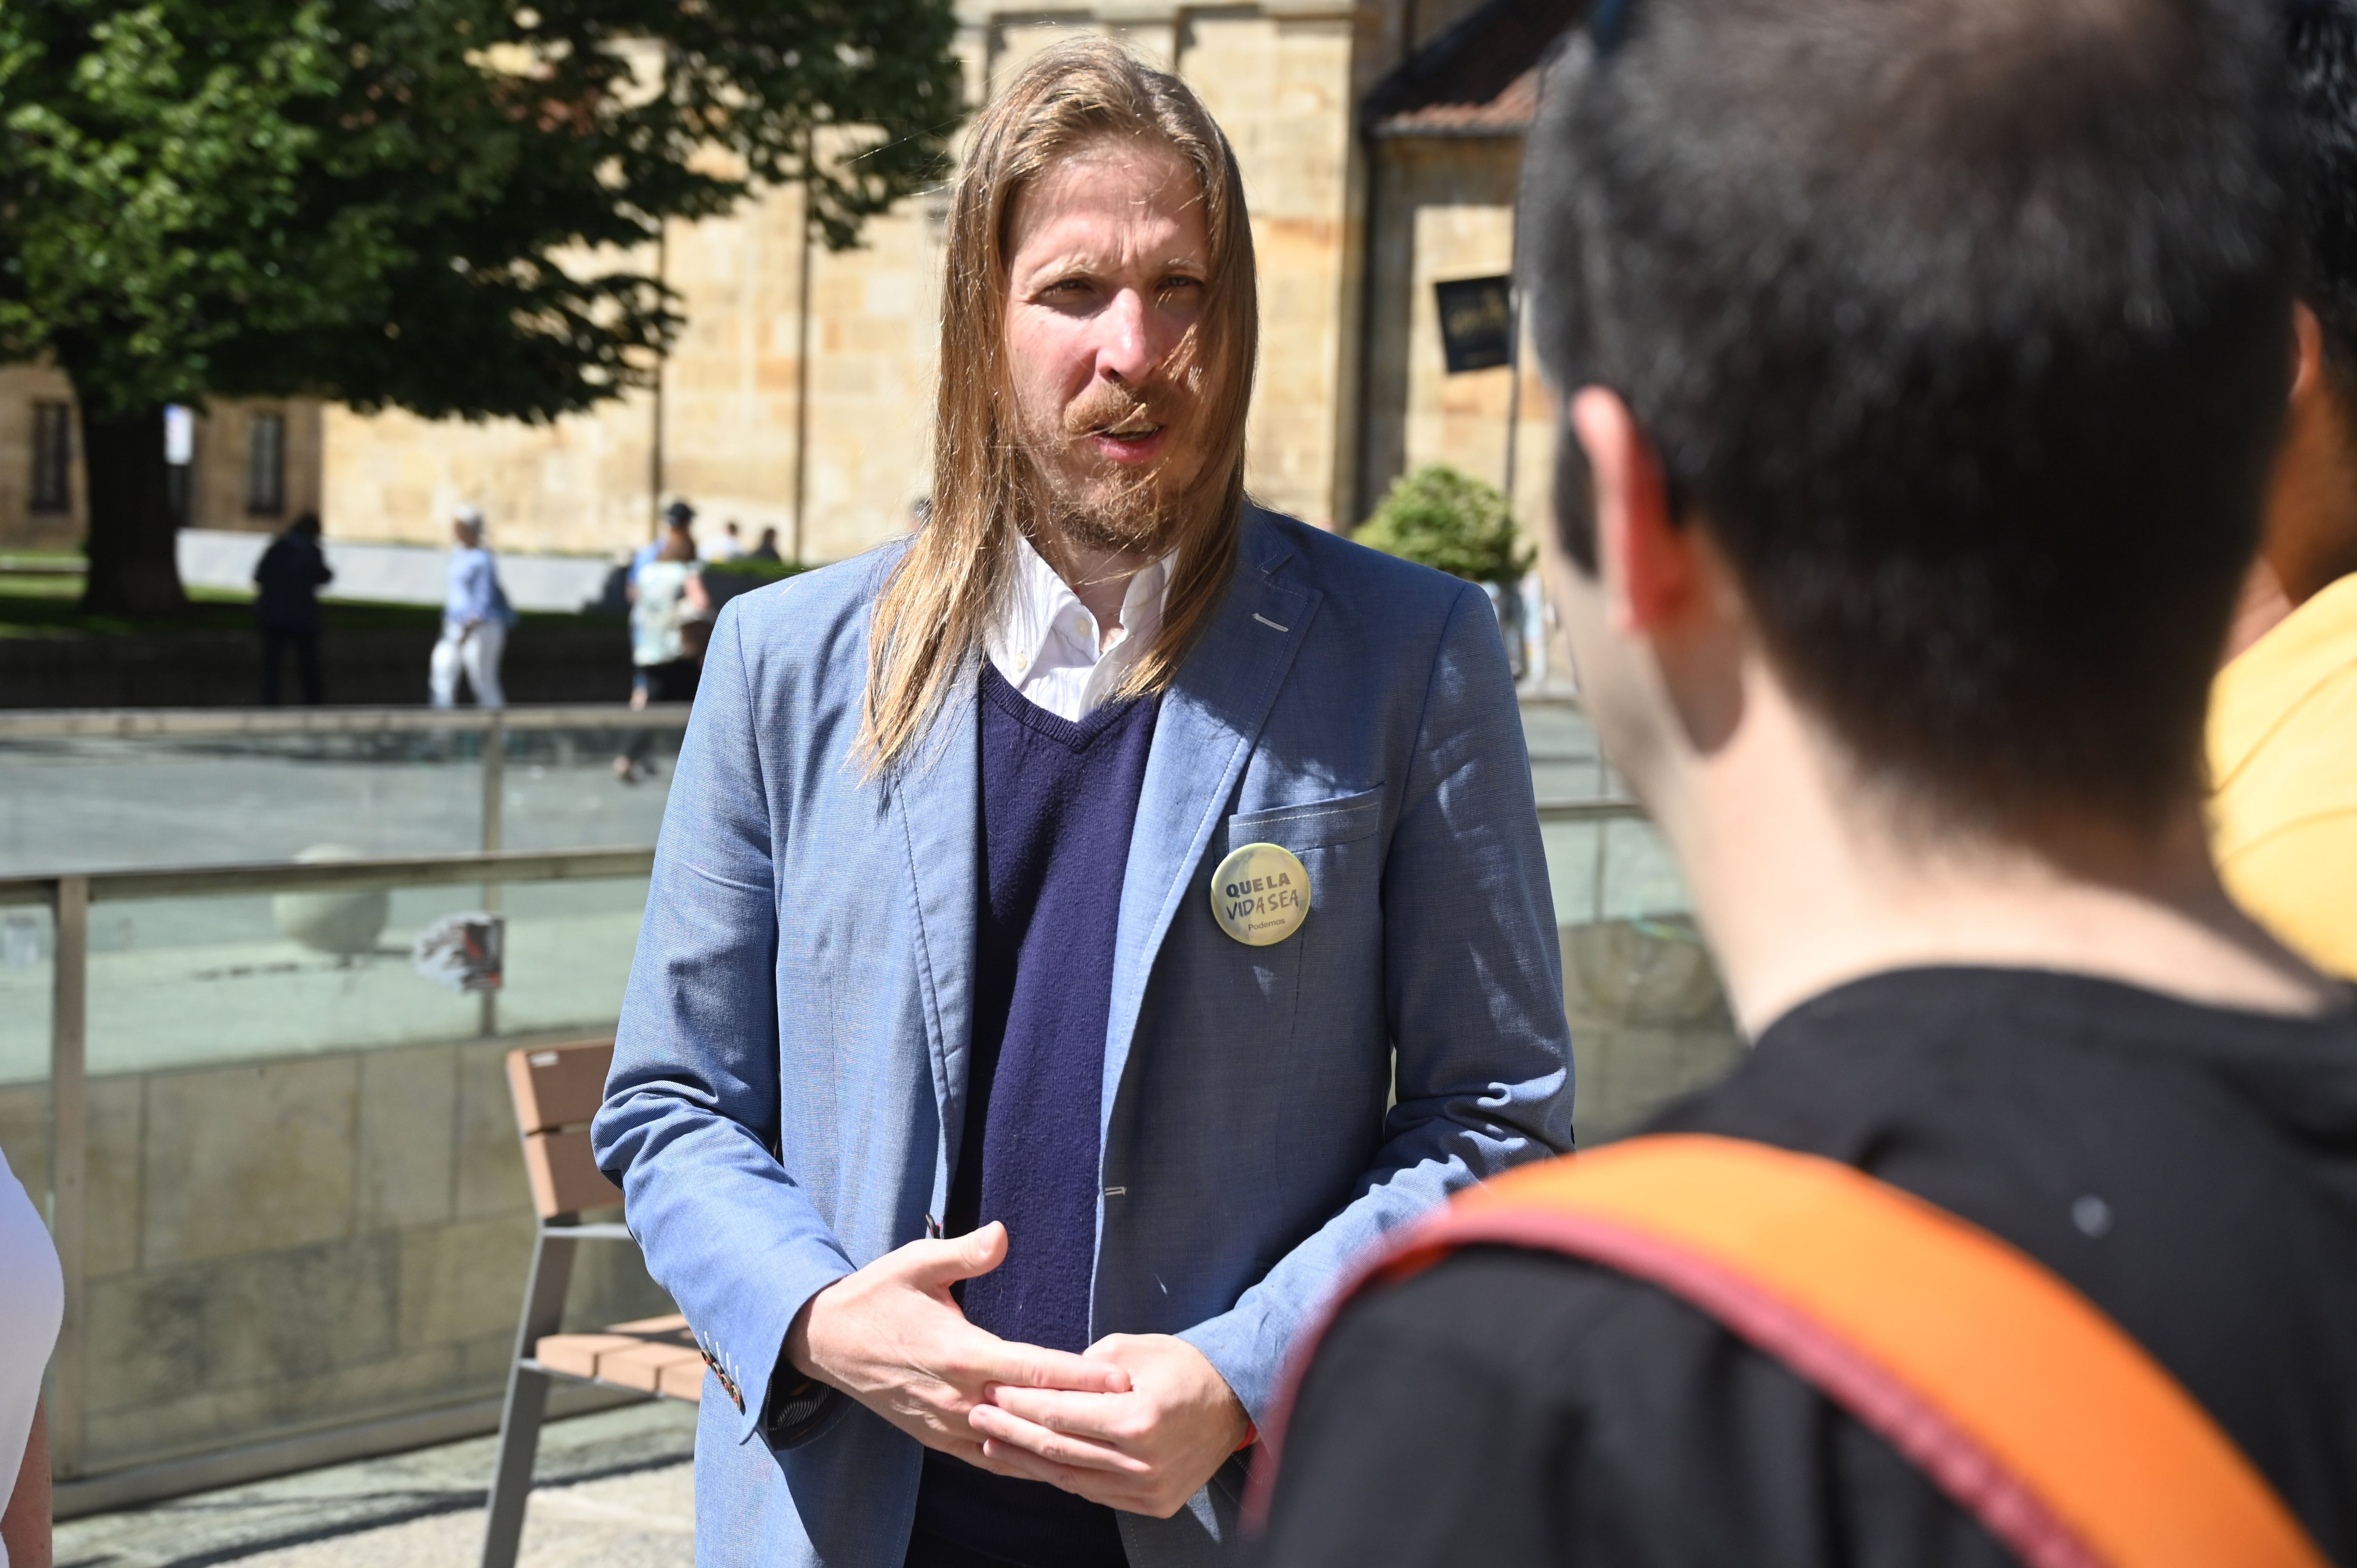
<point>1129,342</point>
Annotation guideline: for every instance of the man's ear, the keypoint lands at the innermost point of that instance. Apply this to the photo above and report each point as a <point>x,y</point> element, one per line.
<point>1647,563</point>
<point>2307,354</point>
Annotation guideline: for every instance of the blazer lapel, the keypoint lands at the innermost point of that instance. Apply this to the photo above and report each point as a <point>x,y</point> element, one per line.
<point>1211,714</point>
<point>936,796</point>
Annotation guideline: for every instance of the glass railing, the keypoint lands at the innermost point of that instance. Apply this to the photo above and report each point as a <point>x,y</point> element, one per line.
<point>282,1159</point>
<point>1648,1020</point>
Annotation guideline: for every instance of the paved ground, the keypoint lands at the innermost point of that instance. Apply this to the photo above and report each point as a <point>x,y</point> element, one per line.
<point>616,1490</point>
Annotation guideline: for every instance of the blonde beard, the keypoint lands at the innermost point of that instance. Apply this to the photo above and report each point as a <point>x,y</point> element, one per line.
<point>1136,517</point>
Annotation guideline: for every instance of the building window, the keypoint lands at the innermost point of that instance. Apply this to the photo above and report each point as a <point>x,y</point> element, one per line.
<point>52,456</point>
<point>265,464</point>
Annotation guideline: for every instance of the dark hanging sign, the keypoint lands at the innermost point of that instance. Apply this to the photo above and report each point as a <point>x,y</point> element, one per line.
<point>1477,322</point>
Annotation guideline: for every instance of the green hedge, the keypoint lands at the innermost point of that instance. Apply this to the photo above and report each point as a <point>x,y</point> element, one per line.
<point>1452,522</point>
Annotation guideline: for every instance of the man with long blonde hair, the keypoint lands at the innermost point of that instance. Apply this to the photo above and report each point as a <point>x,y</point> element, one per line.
<point>1079,929</point>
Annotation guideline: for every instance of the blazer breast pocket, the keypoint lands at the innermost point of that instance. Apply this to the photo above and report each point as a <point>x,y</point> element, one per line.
<point>1317,825</point>
<point>1330,971</point>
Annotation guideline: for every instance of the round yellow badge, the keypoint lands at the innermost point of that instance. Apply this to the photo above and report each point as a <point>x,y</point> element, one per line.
<point>1260,895</point>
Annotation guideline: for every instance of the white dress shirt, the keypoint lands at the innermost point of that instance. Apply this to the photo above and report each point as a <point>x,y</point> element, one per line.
<point>1051,647</point>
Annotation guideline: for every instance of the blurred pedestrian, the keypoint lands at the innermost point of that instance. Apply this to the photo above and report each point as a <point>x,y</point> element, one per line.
<point>677,534</point>
<point>669,596</point>
<point>677,517</point>
<point>670,616</point>
<point>730,545</point>
<point>287,582</point>
<point>32,1305</point>
<point>475,618</point>
<point>767,549</point>
<point>1912,450</point>
<point>2283,716</point>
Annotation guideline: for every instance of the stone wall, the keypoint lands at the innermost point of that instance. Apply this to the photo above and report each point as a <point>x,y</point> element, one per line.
<point>296,1244</point>
<point>21,386</point>
<point>1282,77</point>
<point>1444,208</point>
<point>218,475</point>
<point>302,1243</point>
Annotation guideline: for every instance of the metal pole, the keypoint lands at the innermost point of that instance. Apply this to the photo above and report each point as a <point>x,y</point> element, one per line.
<point>1514,383</point>
<point>662,362</point>
<point>802,359</point>
<point>69,1163</point>
<point>495,774</point>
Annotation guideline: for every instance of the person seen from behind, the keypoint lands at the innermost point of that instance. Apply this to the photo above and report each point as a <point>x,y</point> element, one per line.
<point>475,620</point>
<point>767,549</point>
<point>666,595</point>
<point>2283,717</point>
<point>678,522</point>
<point>1921,366</point>
<point>286,583</point>
<point>671,620</point>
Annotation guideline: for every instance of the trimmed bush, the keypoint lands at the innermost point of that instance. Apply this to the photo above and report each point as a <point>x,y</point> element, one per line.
<point>1442,518</point>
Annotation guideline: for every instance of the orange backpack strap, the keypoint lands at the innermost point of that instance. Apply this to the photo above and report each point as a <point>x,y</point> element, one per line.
<point>2001,1384</point>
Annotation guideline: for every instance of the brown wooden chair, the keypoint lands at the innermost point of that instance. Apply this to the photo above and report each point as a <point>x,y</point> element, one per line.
<point>557,1089</point>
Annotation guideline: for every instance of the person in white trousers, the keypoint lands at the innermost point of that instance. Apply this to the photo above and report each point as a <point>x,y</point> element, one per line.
<point>475,620</point>
<point>32,1305</point>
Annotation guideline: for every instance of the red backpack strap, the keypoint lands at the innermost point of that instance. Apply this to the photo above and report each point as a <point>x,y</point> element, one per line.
<point>2007,1388</point>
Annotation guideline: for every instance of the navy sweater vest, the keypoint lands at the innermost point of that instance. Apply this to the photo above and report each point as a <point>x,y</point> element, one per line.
<point>1058,802</point>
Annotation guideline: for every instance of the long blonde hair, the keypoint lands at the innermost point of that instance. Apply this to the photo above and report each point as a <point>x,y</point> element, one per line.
<point>931,616</point>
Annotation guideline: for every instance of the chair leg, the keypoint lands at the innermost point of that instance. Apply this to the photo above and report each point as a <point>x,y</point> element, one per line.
<point>527,1403</point>
<point>527,1400</point>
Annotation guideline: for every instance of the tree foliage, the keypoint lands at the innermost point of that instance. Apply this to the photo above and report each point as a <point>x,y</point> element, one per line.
<point>429,203</point>
<point>1452,522</point>
<point>405,202</point>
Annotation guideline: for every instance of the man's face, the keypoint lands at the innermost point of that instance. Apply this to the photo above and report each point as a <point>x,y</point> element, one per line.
<point>1107,262</point>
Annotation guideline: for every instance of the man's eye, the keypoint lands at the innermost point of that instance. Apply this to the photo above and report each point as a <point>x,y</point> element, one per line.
<point>1173,285</point>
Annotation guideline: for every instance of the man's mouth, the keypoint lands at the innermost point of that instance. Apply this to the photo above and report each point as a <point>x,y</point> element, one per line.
<point>1132,440</point>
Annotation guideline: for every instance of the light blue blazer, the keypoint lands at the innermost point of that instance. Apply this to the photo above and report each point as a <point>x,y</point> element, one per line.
<point>790,1082</point>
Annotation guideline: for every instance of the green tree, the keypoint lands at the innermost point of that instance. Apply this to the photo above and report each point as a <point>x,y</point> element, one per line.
<point>415,202</point>
<point>1448,521</point>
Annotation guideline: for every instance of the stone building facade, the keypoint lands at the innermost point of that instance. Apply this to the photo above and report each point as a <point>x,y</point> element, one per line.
<point>1379,141</point>
<point>249,464</point>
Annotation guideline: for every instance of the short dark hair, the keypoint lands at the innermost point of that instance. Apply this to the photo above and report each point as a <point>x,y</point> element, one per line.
<point>1964,331</point>
<point>2321,39</point>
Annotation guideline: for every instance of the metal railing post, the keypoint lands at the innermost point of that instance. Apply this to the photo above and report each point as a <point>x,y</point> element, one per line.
<point>495,773</point>
<point>69,1162</point>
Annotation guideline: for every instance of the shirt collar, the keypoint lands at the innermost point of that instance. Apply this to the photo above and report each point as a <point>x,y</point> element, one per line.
<point>1042,623</point>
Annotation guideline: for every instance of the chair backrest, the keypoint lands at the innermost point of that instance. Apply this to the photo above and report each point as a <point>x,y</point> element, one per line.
<point>557,1089</point>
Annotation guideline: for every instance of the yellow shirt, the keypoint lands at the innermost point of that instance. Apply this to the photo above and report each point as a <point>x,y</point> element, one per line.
<point>2283,762</point>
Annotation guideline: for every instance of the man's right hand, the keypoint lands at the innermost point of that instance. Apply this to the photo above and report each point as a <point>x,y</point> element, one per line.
<point>891,1337</point>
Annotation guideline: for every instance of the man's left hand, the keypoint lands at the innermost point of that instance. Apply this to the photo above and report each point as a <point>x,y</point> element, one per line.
<point>1147,1451</point>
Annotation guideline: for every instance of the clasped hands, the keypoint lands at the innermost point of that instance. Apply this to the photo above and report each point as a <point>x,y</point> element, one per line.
<point>1139,1422</point>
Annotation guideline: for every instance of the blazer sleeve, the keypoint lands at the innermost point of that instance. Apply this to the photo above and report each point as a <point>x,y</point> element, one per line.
<point>689,1126</point>
<point>1473,992</point>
